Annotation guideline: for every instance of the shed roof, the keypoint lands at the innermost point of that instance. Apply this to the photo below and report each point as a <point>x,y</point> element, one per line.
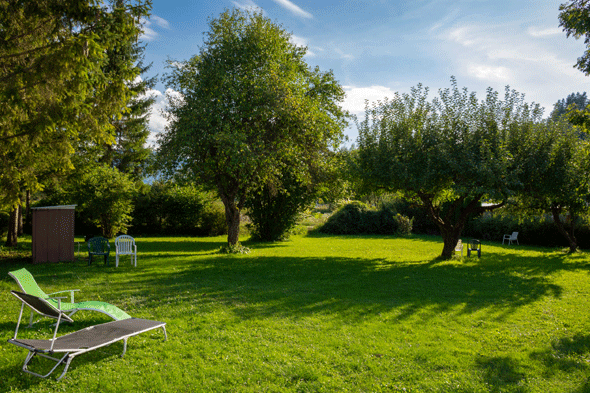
<point>60,207</point>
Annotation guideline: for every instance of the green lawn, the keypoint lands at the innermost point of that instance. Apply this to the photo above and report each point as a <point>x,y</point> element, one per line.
<point>332,314</point>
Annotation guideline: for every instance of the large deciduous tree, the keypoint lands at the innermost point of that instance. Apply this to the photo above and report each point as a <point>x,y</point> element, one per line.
<point>574,17</point>
<point>249,110</point>
<point>575,20</point>
<point>53,87</point>
<point>555,175</point>
<point>449,155</point>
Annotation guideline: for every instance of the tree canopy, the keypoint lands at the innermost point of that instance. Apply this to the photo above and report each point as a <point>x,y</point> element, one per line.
<point>555,176</point>
<point>574,17</point>
<point>249,109</point>
<point>450,155</point>
<point>54,86</point>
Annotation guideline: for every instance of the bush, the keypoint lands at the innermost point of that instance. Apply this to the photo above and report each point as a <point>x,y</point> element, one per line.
<point>172,209</point>
<point>106,198</point>
<point>356,218</point>
<point>213,221</point>
<point>274,211</point>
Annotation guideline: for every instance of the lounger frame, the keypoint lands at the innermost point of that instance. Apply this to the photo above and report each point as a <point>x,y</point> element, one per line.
<point>76,343</point>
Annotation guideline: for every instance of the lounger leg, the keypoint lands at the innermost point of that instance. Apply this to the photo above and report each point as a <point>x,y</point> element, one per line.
<point>124,347</point>
<point>32,354</point>
<point>65,368</point>
<point>165,335</point>
<point>31,319</point>
<point>29,357</point>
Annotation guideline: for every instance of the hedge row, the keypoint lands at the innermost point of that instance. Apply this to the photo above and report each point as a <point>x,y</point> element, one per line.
<point>532,230</point>
<point>535,230</point>
<point>158,209</point>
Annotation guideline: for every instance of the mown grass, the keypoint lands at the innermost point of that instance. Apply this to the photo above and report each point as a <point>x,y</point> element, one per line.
<point>324,314</point>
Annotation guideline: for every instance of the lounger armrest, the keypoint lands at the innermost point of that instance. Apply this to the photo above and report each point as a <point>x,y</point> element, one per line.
<point>71,291</point>
<point>58,298</point>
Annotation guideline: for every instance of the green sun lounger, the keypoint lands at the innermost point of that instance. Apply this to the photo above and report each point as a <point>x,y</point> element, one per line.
<point>28,285</point>
<point>76,343</point>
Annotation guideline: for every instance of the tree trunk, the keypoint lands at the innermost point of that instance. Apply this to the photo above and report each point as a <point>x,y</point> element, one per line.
<point>232,217</point>
<point>19,221</point>
<point>571,238</point>
<point>28,218</point>
<point>451,224</point>
<point>12,236</point>
<point>450,235</point>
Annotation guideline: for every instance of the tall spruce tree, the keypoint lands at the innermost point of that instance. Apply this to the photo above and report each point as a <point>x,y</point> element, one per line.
<point>574,100</point>
<point>53,87</point>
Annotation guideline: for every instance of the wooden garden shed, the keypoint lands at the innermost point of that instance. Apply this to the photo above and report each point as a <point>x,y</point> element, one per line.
<point>53,233</point>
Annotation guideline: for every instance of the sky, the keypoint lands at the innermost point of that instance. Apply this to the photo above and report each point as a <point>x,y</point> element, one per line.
<point>378,47</point>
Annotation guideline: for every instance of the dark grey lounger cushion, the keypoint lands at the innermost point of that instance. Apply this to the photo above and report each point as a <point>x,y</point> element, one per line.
<point>93,336</point>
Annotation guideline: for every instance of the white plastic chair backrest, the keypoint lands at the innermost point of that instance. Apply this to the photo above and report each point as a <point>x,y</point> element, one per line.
<point>124,244</point>
<point>514,236</point>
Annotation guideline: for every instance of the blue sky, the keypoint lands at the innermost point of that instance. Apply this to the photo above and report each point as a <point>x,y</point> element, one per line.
<point>378,47</point>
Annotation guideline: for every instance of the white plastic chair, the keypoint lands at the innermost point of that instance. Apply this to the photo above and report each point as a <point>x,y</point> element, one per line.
<point>125,245</point>
<point>459,247</point>
<point>511,238</point>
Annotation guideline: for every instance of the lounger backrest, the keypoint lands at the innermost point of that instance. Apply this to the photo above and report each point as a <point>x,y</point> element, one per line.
<point>27,283</point>
<point>40,306</point>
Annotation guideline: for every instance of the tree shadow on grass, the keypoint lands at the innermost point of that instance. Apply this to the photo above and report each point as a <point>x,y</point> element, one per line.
<point>352,288</point>
<point>502,373</point>
<point>565,355</point>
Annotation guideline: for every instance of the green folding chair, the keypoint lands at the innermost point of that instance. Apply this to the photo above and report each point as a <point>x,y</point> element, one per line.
<point>28,285</point>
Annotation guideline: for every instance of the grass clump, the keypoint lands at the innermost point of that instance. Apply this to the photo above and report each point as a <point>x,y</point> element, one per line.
<point>237,248</point>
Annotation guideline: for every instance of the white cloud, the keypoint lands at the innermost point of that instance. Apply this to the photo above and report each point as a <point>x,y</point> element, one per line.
<point>462,35</point>
<point>160,21</point>
<point>444,21</point>
<point>483,55</point>
<point>300,41</point>
<point>149,34</point>
<point>157,119</point>
<point>356,96</point>
<point>343,55</point>
<point>247,5</point>
<point>294,8</point>
<point>490,73</point>
<point>544,32</point>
